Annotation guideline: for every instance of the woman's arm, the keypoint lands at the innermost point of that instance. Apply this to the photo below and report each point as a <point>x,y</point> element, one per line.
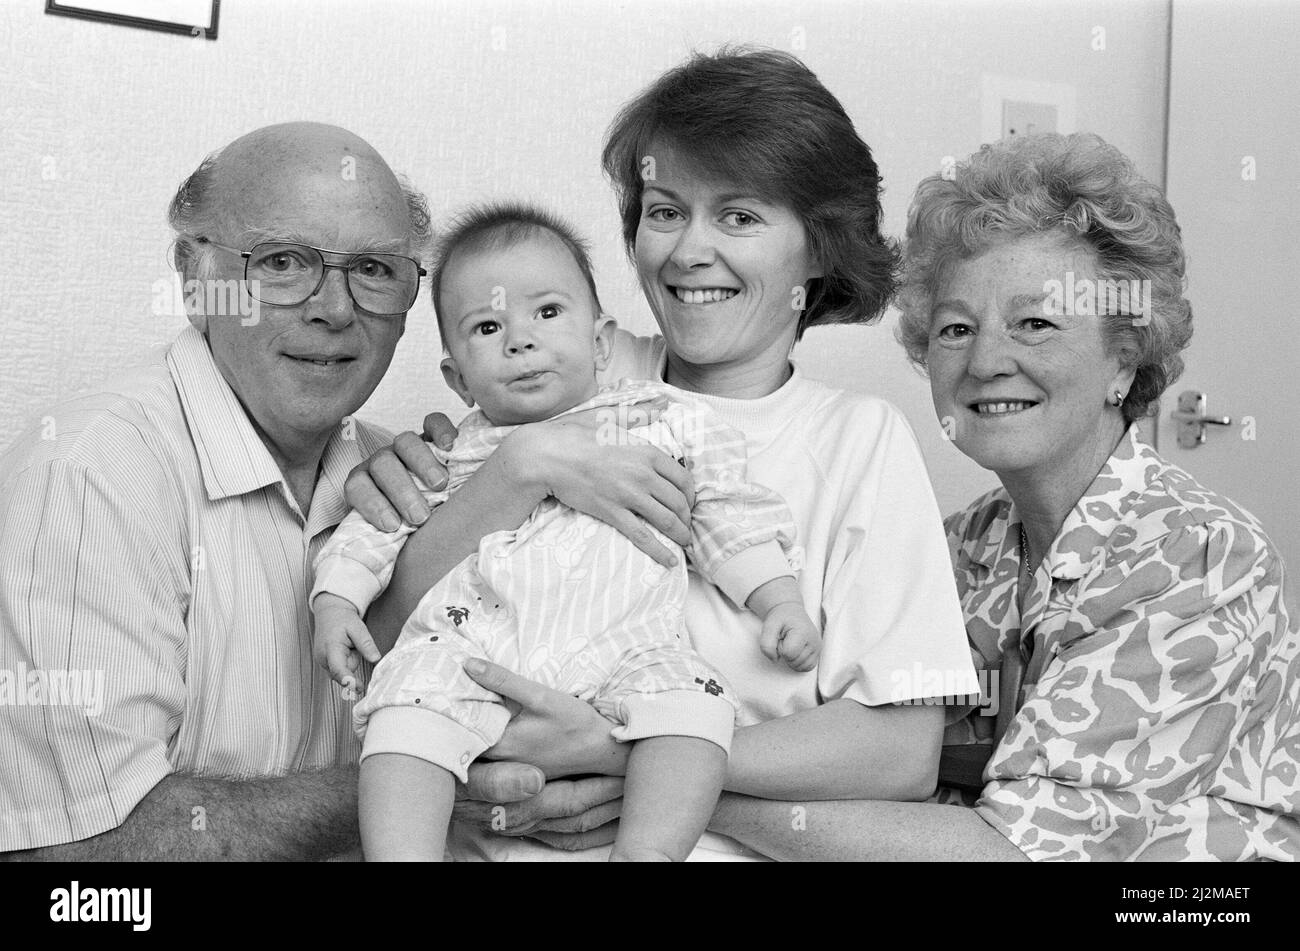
<point>839,750</point>
<point>828,752</point>
<point>863,831</point>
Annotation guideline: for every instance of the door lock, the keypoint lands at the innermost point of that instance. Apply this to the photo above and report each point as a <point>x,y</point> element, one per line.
<point>1192,419</point>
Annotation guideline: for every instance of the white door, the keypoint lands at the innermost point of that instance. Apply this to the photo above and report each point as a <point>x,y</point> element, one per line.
<point>1234,180</point>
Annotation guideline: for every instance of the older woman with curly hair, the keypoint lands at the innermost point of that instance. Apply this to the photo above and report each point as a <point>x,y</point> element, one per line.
<point>1148,672</point>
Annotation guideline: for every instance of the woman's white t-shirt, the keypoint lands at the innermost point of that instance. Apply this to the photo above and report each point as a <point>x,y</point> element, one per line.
<point>875,575</point>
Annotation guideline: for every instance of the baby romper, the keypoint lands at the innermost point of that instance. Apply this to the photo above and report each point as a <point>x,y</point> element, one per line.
<point>565,599</point>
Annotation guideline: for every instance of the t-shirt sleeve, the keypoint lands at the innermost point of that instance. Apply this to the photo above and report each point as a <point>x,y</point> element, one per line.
<point>1159,731</point>
<point>92,640</point>
<point>893,627</point>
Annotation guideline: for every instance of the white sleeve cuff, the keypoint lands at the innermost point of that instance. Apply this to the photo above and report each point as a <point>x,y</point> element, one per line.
<point>346,578</point>
<point>750,567</point>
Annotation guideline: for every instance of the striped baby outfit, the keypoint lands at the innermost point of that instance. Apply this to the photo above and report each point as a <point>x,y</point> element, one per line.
<point>565,599</point>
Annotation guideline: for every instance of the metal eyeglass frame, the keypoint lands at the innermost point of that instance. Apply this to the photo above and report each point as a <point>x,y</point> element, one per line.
<point>346,268</point>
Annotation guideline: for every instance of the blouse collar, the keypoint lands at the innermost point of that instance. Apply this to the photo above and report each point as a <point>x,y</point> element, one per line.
<point>1099,513</point>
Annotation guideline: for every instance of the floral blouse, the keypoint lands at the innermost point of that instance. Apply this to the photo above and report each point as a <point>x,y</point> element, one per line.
<point>1160,705</point>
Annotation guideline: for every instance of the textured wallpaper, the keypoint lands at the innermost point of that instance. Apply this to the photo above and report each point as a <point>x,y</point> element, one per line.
<point>473,100</point>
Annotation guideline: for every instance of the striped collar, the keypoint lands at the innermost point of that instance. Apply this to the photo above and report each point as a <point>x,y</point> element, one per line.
<point>232,457</point>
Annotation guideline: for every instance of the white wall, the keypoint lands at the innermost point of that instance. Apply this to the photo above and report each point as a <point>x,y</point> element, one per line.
<point>489,98</point>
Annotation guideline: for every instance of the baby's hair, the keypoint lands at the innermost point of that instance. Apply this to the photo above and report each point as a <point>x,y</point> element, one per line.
<point>500,225</point>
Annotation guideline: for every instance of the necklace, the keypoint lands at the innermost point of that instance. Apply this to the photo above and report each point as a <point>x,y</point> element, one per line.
<point>1024,551</point>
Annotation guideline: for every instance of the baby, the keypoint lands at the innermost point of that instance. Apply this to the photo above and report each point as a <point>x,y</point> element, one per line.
<point>565,599</point>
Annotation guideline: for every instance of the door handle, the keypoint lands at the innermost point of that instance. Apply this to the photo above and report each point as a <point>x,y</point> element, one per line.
<point>1193,416</point>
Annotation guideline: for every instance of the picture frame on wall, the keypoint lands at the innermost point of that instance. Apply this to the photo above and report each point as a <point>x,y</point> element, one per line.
<point>196,18</point>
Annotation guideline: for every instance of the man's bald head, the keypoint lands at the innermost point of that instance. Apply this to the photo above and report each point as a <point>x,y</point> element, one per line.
<point>278,170</point>
<point>296,368</point>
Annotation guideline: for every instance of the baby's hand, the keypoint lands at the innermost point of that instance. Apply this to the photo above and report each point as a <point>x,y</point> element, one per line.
<point>340,636</point>
<point>788,633</point>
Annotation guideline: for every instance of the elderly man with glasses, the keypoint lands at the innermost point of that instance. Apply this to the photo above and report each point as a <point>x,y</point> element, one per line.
<point>156,537</point>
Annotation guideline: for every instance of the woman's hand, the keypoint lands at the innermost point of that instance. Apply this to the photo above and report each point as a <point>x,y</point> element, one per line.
<point>586,461</point>
<point>571,458</point>
<point>552,731</point>
<point>551,734</point>
<point>380,488</point>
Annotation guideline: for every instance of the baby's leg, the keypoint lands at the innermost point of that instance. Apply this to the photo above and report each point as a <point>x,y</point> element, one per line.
<point>673,784</point>
<point>679,714</point>
<point>423,720</point>
<point>405,808</point>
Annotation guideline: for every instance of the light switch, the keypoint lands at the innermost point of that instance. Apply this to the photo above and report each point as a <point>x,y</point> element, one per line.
<point>1018,106</point>
<point>1027,118</point>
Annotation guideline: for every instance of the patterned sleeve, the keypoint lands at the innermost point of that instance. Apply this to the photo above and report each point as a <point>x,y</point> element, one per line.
<point>966,718</point>
<point>1160,730</point>
<point>741,533</point>
<point>358,561</point>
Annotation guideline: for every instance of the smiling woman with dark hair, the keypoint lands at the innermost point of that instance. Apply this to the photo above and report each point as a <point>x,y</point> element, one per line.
<point>751,210</point>
<point>760,121</point>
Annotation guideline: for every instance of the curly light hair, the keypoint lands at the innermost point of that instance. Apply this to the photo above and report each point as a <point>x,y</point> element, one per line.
<point>1078,186</point>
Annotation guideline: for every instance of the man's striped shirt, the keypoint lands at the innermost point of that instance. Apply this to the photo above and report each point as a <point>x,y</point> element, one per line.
<point>154,571</point>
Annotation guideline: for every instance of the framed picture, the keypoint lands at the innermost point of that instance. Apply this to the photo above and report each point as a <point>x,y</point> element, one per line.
<point>190,17</point>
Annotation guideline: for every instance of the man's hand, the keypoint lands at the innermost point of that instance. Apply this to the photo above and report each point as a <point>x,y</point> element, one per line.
<point>552,731</point>
<point>341,638</point>
<point>512,799</point>
<point>381,487</point>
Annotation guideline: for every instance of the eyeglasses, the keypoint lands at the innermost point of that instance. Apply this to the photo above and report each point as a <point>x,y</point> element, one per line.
<point>286,274</point>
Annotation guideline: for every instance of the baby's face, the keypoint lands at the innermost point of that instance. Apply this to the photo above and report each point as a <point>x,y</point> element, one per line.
<point>523,336</point>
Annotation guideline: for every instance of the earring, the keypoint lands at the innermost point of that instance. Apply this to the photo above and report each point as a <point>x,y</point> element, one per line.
<point>1117,399</point>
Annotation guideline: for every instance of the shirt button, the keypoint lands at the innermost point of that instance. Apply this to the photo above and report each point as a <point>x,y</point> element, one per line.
<point>464,758</point>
